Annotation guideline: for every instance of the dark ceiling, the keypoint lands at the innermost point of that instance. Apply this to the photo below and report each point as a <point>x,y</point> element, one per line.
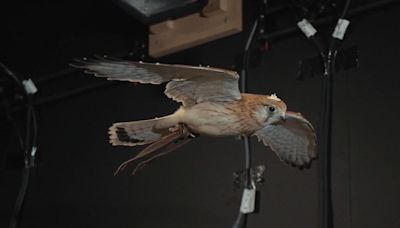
<point>40,37</point>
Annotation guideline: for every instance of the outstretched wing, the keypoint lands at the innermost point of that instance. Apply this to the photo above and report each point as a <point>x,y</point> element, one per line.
<point>186,84</point>
<point>294,141</point>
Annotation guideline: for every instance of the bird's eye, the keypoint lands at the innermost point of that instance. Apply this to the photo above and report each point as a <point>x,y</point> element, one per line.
<point>271,109</point>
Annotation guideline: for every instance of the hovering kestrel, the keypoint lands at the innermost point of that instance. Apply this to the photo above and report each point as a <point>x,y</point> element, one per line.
<point>211,105</point>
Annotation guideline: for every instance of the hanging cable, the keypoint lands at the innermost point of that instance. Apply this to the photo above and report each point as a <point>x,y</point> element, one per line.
<point>329,58</point>
<point>326,130</point>
<point>240,221</point>
<point>29,143</point>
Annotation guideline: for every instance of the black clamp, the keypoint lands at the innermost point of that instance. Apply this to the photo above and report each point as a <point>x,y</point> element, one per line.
<point>256,177</point>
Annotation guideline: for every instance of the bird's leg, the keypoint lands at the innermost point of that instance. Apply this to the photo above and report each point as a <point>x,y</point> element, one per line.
<point>178,132</point>
<point>168,149</point>
<point>150,149</point>
<point>186,136</point>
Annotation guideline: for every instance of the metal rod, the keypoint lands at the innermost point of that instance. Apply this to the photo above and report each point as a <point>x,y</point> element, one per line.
<point>67,71</point>
<point>56,75</point>
<point>67,94</point>
<point>74,92</point>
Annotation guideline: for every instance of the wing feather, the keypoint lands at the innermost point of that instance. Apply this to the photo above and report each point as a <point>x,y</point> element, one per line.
<point>186,84</point>
<point>294,141</point>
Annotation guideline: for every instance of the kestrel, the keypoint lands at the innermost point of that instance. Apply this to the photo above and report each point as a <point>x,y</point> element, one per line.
<point>211,104</point>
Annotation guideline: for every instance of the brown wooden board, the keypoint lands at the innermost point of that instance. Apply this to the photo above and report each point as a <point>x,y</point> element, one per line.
<point>220,18</point>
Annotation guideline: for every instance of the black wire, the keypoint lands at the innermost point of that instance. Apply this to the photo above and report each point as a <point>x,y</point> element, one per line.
<point>329,58</point>
<point>12,75</point>
<point>15,128</point>
<point>345,9</point>
<point>28,130</point>
<point>243,85</point>
<point>246,57</point>
<point>325,154</point>
<point>34,126</point>
<point>241,220</point>
<point>30,143</point>
<point>16,216</point>
<point>326,130</point>
<point>8,111</point>
<point>28,163</point>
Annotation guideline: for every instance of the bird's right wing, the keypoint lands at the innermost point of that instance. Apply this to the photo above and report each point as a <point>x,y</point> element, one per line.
<point>186,84</point>
<point>294,141</point>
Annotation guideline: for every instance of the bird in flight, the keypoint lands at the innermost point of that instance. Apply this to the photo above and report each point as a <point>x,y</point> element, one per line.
<point>211,104</point>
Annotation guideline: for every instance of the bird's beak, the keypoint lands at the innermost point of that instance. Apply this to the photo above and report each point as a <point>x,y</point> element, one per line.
<point>283,118</point>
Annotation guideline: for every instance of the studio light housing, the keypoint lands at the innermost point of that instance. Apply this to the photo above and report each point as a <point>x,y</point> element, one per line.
<point>153,11</point>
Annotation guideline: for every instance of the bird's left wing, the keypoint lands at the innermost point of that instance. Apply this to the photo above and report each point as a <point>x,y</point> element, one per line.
<point>294,141</point>
<point>186,84</point>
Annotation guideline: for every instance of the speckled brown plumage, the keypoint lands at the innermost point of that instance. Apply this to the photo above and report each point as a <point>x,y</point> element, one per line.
<point>211,104</point>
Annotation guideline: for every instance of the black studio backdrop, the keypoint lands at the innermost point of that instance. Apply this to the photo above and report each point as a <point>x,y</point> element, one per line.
<point>74,186</point>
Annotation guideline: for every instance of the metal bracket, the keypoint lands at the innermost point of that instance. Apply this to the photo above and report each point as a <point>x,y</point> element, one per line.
<point>314,67</point>
<point>256,175</point>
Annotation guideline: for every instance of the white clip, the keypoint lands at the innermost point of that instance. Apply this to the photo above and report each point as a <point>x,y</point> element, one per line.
<point>33,151</point>
<point>340,29</point>
<point>307,28</point>
<point>248,200</point>
<point>29,86</point>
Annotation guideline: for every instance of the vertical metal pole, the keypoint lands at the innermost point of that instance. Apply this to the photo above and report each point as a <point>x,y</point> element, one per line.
<point>242,217</point>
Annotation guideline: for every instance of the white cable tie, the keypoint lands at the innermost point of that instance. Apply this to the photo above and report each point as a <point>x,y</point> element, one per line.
<point>340,29</point>
<point>29,86</point>
<point>33,151</point>
<point>248,200</point>
<point>307,28</point>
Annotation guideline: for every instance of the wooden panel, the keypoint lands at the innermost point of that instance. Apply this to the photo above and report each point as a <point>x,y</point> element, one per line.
<point>220,18</point>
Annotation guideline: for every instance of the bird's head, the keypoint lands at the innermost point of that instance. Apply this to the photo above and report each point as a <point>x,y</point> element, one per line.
<point>274,109</point>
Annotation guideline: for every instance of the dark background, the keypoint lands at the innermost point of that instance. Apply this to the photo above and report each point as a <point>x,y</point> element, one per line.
<point>74,186</point>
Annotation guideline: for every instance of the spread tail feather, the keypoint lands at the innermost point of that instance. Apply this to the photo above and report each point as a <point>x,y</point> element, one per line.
<point>140,132</point>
